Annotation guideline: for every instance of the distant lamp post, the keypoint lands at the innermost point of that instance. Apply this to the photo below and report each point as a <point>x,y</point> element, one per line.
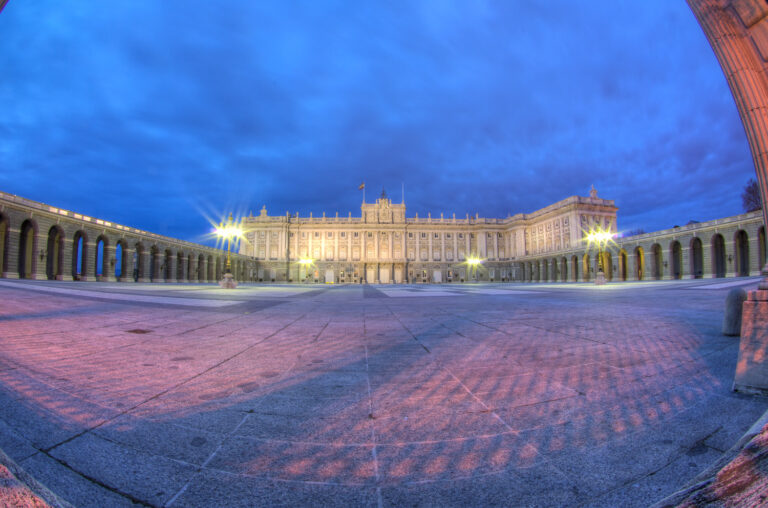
<point>599,237</point>
<point>304,263</point>
<point>474,263</point>
<point>229,231</point>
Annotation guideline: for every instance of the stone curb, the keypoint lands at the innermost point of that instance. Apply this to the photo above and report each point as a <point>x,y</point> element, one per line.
<point>709,475</point>
<point>17,488</point>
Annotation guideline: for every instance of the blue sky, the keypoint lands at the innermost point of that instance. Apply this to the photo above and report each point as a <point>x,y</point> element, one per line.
<point>157,114</point>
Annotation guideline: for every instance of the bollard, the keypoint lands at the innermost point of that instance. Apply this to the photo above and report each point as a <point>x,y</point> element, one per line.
<point>732,318</point>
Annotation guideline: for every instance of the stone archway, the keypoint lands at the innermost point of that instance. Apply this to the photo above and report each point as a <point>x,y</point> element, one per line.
<point>735,30</point>
<point>697,259</point>
<point>55,254</point>
<point>718,256</point>
<point>27,249</point>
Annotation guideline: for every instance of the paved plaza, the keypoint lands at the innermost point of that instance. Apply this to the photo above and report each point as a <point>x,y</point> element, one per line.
<point>317,395</point>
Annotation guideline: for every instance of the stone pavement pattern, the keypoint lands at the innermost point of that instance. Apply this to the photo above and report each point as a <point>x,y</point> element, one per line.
<point>543,395</point>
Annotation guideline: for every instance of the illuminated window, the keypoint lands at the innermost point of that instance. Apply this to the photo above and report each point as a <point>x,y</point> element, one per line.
<point>343,234</point>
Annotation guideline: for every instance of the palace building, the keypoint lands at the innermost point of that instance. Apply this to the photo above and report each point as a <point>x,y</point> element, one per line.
<point>385,246</point>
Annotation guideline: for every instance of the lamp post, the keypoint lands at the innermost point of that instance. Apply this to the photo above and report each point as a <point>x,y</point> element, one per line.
<point>600,238</point>
<point>228,231</point>
<point>473,263</point>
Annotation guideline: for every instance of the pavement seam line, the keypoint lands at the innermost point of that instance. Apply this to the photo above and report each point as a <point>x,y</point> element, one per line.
<point>373,431</point>
<point>163,392</point>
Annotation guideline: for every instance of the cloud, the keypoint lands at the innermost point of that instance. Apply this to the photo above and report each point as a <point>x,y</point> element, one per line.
<point>145,113</point>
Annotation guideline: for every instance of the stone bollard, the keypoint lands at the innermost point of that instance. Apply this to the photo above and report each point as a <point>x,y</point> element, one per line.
<point>733,306</point>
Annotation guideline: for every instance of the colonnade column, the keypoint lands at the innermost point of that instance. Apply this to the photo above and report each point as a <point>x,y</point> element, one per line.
<point>108,262</point>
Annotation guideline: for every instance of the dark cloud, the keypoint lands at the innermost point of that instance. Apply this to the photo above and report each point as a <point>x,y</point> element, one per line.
<point>155,114</point>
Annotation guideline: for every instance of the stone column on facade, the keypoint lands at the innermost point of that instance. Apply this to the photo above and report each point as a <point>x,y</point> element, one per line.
<point>730,257</point>
<point>468,252</point>
<point>89,261</point>
<point>754,253</point>
<point>686,271</point>
<point>66,260</point>
<point>706,258</point>
<point>336,245</point>
<point>495,245</point>
<point>108,263</point>
<point>267,246</point>
<point>455,246</point>
<point>323,254</point>
<point>431,256</point>
<point>172,268</point>
<point>418,246</point>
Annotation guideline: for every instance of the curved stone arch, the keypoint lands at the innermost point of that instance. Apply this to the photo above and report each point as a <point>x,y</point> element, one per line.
<point>741,253</point>
<point>639,254</point>
<point>696,257</point>
<point>27,248</point>
<point>80,255</point>
<point>735,32</point>
<point>5,227</point>
<point>54,253</point>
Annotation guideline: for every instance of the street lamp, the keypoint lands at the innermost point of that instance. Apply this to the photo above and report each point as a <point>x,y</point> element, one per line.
<point>599,237</point>
<point>305,263</point>
<point>228,231</point>
<point>473,263</point>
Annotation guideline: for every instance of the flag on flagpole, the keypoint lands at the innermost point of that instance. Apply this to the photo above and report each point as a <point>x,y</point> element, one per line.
<point>362,186</point>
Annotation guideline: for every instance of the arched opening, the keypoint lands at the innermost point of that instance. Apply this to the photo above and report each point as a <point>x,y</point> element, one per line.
<point>218,268</point>
<point>741,244</point>
<point>211,268</point>
<point>3,245</point>
<point>697,259</point>
<point>544,267</point>
<point>676,255</point>
<point>564,270</point>
<point>608,265</point>
<point>761,247</point>
<point>79,246</point>
<point>121,261</point>
<point>101,247</point>
<point>586,269</point>
<point>718,255</point>
<point>55,257</point>
<point>153,260</point>
<point>657,262</point>
<point>639,263</point>
<point>622,264</point>
<point>200,268</point>
<point>27,248</point>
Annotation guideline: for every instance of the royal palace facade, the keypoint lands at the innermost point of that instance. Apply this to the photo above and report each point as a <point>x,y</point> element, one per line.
<point>385,246</point>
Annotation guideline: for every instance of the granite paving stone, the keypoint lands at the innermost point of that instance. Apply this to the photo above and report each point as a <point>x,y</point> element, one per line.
<point>549,395</point>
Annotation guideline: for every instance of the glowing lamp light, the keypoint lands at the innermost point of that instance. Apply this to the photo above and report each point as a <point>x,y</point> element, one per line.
<point>305,261</point>
<point>474,261</point>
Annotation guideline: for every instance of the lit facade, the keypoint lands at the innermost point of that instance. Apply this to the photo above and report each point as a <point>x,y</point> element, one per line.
<point>385,246</point>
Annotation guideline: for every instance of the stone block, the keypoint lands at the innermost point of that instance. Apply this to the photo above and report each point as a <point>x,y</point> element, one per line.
<point>759,33</point>
<point>733,307</point>
<point>752,365</point>
<point>749,11</point>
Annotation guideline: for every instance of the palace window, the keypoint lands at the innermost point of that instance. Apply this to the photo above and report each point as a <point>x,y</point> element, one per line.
<point>423,235</point>
<point>447,235</point>
<point>290,234</point>
<point>330,235</point>
<point>317,234</point>
<point>303,234</point>
<point>343,234</point>
<point>461,236</point>
<point>355,234</point>
<point>410,235</point>
<point>370,235</point>
<point>437,236</point>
